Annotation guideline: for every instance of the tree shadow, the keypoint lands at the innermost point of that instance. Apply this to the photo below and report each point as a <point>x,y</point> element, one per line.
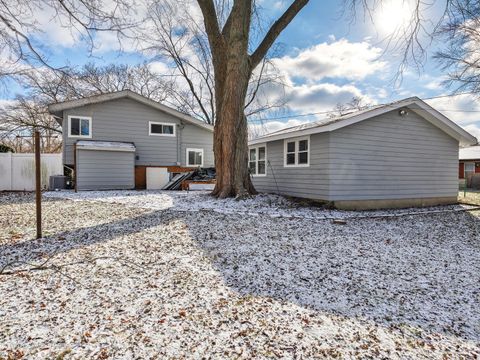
<point>413,272</point>
<point>420,272</point>
<point>31,250</point>
<point>21,197</point>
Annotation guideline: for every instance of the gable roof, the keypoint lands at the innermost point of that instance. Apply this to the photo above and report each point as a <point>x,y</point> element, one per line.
<point>57,108</point>
<point>469,153</point>
<point>413,103</point>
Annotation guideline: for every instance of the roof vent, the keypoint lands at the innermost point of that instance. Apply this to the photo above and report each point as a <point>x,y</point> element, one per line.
<point>402,112</point>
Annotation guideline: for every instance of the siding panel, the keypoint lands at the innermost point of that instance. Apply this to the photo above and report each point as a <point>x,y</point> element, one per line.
<point>102,170</point>
<point>306,182</point>
<point>392,157</point>
<point>127,120</point>
<point>197,138</point>
<point>385,157</point>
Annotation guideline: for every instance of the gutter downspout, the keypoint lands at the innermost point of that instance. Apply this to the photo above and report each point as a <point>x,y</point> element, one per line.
<point>181,126</point>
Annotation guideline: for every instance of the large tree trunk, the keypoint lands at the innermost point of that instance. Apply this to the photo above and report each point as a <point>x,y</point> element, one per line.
<point>232,74</point>
<point>231,132</point>
<point>233,68</point>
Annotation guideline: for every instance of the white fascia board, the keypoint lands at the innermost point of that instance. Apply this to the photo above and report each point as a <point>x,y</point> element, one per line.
<point>105,146</point>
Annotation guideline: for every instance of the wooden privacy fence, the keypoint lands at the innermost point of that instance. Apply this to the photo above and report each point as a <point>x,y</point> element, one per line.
<point>17,171</point>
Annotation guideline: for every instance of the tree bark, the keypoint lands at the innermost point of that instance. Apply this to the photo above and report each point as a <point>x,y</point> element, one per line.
<point>233,68</point>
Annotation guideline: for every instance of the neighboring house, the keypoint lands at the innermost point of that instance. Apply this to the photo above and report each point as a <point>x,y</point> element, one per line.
<point>111,139</point>
<point>397,155</point>
<point>469,158</point>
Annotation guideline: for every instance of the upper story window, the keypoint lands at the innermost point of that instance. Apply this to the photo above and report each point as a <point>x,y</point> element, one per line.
<point>194,157</point>
<point>161,129</point>
<point>79,126</point>
<point>297,152</point>
<point>257,160</point>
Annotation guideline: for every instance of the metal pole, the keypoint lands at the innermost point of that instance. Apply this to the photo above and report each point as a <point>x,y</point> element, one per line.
<point>38,185</point>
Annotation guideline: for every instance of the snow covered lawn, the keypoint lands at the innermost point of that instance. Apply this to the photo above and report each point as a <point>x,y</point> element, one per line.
<point>166,274</point>
<point>470,196</point>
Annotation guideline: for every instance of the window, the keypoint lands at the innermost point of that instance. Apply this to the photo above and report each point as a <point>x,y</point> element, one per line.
<point>469,168</point>
<point>161,129</point>
<point>80,126</point>
<point>257,160</point>
<point>194,157</point>
<point>297,152</point>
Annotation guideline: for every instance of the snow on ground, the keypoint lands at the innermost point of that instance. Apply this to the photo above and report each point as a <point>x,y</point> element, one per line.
<point>469,197</point>
<point>118,278</point>
<point>264,204</point>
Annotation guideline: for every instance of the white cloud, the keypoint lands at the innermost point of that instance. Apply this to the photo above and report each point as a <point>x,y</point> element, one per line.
<point>463,109</point>
<point>316,97</point>
<point>52,29</point>
<point>339,59</point>
<point>4,103</point>
<point>320,97</point>
<point>473,129</point>
<point>305,99</point>
<point>159,67</point>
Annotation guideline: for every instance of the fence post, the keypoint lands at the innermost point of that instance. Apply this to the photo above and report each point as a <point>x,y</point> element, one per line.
<point>38,185</point>
<point>11,171</point>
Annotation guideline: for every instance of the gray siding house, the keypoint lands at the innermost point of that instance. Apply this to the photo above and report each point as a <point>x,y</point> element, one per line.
<point>111,139</point>
<point>397,155</point>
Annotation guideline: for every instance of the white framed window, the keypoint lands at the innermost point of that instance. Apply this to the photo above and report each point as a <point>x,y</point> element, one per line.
<point>79,126</point>
<point>468,168</point>
<point>161,129</point>
<point>195,157</point>
<point>257,160</point>
<point>297,152</point>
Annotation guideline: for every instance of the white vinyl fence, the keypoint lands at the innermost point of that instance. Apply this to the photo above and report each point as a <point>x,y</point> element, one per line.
<point>17,171</point>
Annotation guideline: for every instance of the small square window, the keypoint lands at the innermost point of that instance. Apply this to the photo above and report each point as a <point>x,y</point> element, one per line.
<point>194,157</point>
<point>297,152</point>
<point>79,126</point>
<point>160,129</point>
<point>257,158</point>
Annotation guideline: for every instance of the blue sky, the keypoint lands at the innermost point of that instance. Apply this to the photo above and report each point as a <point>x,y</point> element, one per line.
<point>321,27</point>
<point>324,59</point>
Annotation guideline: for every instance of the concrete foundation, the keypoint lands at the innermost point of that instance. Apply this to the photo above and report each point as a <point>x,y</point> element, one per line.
<point>393,203</point>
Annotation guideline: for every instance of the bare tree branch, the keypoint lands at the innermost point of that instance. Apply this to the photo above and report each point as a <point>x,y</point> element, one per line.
<point>275,30</point>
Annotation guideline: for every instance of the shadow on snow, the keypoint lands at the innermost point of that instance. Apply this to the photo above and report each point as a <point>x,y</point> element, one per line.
<point>415,271</point>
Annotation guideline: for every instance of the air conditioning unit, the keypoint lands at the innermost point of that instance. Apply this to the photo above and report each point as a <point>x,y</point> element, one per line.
<point>57,182</point>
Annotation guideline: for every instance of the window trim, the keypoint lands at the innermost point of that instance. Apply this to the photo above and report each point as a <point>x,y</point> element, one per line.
<point>196,150</point>
<point>150,123</point>
<point>296,140</point>
<point>69,133</point>
<point>256,147</point>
